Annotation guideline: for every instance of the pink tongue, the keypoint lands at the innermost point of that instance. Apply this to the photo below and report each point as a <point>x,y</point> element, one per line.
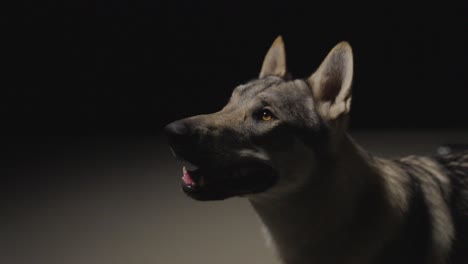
<point>187,179</point>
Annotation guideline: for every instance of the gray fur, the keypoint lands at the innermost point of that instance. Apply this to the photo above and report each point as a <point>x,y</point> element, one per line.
<point>333,202</point>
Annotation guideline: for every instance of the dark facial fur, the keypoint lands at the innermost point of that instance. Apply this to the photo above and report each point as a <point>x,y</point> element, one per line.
<point>237,135</point>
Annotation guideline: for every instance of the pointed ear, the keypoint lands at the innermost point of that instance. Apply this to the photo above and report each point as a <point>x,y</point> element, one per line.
<point>331,83</point>
<point>275,60</point>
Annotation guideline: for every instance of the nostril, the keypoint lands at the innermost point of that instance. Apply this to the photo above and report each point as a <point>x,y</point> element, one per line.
<point>176,129</point>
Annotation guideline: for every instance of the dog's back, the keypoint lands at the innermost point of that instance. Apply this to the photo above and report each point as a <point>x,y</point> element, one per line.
<point>455,164</point>
<point>435,229</point>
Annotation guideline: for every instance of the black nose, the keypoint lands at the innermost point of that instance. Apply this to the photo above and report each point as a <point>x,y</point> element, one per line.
<point>176,131</point>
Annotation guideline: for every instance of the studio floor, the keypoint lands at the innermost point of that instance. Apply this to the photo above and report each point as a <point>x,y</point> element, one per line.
<point>119,202</point>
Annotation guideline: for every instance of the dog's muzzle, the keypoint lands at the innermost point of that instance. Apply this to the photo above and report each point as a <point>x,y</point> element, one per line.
<point>205,177</point>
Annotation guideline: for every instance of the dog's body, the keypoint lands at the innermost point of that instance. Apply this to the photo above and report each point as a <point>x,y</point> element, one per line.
<point>282,144</point>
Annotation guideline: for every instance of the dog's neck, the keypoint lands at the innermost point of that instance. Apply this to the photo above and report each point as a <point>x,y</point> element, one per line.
<point>319,222</point>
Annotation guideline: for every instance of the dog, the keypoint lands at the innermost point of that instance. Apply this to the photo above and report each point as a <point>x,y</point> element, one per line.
<point>282,144</point>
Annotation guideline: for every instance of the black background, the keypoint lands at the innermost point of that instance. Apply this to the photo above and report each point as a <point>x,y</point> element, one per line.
<point>84,68</point>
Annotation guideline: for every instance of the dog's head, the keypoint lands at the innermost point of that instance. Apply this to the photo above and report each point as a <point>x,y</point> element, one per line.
<point>270,136</point>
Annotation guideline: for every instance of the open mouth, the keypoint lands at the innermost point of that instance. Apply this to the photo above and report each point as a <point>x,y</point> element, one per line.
<point>221,182</point>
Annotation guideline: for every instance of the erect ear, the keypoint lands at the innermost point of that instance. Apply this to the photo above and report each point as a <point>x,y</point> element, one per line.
<point>275,60</point>
<point>331,83</point>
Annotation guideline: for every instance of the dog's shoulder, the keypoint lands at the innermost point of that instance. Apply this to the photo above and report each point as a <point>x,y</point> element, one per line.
<point>440,184</point>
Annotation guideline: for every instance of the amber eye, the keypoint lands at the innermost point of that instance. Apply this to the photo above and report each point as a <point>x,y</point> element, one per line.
<point>266,115</point>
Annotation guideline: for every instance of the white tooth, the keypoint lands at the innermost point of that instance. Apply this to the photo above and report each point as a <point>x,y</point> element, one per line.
<point>184,170</point>
<point>189,166</point>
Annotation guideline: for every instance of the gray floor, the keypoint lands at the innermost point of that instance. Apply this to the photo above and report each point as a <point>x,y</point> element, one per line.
<point>125,207</point>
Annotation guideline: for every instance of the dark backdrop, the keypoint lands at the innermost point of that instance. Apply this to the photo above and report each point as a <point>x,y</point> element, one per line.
<point>116,66</point>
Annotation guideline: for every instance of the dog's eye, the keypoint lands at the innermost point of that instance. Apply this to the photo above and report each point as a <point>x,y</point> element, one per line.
<point>266,115</point>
